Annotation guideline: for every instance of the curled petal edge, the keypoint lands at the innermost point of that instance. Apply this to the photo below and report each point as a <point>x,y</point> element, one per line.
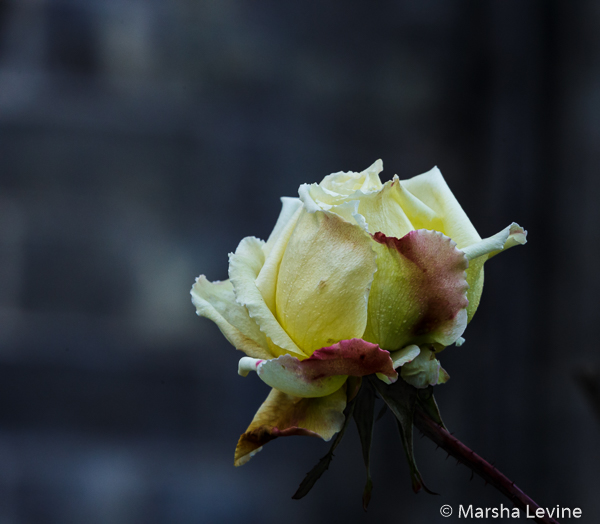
<point>216,301</point>
<point>510,236</point>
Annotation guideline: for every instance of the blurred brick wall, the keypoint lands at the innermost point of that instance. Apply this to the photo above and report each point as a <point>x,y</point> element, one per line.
<point>141,140</point>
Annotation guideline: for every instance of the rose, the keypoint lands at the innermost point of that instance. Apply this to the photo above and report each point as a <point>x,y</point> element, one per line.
<point>357,277</point>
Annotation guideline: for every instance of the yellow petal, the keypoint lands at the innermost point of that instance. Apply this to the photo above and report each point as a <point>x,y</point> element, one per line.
<point>216,301</point>
<point>244,267</point>
<point>266,281</point>
<point>383,211</point>
<point>324,281</point>
<point>432,191</point>
<point>346,184</point>
<point>337,188</point>
<point>283,415</point>
<point>289,208</point>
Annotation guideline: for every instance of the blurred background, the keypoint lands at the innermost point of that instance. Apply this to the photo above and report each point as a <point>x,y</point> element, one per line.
<point>141,140</point>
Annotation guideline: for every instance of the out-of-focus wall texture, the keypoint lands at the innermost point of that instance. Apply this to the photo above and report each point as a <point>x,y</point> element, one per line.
<point>140,140</point>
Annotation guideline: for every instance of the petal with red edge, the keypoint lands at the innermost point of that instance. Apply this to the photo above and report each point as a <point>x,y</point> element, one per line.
<point>419,291</point>
<point>327,368</point>
<point>283,415</point>
<point>325,371</point>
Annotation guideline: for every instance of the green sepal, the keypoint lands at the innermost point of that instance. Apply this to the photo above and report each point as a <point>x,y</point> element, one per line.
<point>401,398</point>
<point>315,473</point>
<point>382,412</point>
<point>429,405</point>
<point>364,416</point>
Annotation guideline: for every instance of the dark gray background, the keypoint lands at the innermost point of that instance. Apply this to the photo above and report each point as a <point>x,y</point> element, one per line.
<point>141,140</point>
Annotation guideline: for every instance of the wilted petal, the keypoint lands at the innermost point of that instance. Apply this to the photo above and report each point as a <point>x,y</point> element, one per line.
<point>283,415</point>
<point>216,301</point>
<point>423,371</point>
<point>419,291</point>
<point>324,281</point>
<point>244,267</point>
<point>325,371</point>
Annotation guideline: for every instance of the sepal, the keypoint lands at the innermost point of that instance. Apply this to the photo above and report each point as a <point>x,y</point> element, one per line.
<point>401,399</point>
<point>364,417</point>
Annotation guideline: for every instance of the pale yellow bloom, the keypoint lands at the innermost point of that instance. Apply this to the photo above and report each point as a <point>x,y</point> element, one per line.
<point>357,277</point>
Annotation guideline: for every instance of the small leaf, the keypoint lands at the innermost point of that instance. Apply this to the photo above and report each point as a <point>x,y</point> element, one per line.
<point>429,405</point>
<point>315,473</point>
<point>401,398</point>
<point>364,415</point>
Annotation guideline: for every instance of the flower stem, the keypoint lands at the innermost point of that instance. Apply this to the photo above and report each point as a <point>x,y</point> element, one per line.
<point>475,463</point>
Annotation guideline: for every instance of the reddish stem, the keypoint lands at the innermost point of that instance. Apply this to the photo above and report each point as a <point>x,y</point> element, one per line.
<point>484,469</point>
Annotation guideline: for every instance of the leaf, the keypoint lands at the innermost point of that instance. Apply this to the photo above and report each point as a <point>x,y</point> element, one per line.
<point>429,405</point>
<point>364,415</point>
<point>401,398</point>
<point>315,473</point>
